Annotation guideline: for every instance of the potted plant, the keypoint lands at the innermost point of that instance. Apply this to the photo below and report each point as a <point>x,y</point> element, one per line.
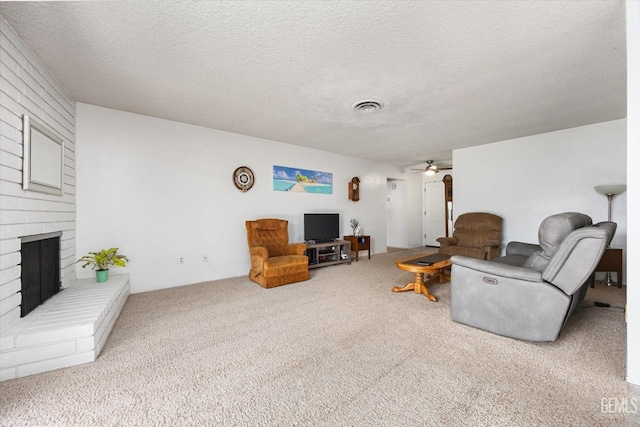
<point>102,261</point>
<point>355,226</point>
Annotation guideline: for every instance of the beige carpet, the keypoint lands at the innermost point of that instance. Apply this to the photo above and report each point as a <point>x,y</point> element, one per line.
<point>338,350</point>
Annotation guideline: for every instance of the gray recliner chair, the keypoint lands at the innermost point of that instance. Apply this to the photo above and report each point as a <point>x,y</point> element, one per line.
<point>530,292</point>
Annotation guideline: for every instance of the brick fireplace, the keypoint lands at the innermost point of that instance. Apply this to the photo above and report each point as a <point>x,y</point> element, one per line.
<point>70,328</point>
<point>57,327</point>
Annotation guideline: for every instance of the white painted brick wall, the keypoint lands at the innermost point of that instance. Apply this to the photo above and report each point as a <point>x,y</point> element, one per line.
<point>26,87</point>
<point>68,329</point>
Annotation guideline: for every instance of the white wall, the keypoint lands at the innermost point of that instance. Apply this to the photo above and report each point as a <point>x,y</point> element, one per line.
<point>633,190</point>
<point>27,88</point>
<point>524,180</point>
<point>160,190</point>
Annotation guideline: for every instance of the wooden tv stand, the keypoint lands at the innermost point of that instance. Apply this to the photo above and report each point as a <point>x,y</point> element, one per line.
<point>328,253</point>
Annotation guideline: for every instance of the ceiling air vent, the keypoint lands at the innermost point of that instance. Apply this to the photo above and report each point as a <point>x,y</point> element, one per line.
<point>367,106</point>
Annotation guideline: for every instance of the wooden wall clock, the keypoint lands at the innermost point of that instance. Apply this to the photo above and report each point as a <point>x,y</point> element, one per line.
<point>354,189</point>
<point>243,178</point>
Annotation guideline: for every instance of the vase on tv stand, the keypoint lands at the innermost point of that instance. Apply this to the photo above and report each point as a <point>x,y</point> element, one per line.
<point>354,226</point>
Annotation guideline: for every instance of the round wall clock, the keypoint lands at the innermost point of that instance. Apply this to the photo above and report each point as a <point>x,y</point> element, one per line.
<point>243,178</point>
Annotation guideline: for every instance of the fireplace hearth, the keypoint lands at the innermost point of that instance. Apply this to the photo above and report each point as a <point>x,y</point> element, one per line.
<point>40,275</point>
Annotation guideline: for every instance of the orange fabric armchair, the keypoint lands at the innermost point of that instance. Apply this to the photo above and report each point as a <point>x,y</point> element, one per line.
<point>476,235</point>
<point>274,261</point>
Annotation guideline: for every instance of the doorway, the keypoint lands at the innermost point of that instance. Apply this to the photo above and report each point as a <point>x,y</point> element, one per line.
<point>396,213</point>
<point>437,209</point>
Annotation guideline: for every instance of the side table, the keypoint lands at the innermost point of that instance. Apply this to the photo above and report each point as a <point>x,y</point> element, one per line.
<point>359,243</point>
<point>611,261</point>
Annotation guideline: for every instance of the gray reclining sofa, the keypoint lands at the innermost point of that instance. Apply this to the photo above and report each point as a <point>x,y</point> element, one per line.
<point>530,292</point>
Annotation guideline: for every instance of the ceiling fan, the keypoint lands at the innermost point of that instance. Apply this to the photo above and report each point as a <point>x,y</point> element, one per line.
<point>431,169</point>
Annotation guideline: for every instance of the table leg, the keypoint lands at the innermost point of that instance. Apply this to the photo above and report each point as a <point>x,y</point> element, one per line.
<point>443,277</point>
<point>418,286</point>
<point>423,286</point>
<point>619,274</point>
<point>408,287</point>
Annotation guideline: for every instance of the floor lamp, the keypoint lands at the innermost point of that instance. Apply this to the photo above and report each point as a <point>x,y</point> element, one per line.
<point>610,191</point>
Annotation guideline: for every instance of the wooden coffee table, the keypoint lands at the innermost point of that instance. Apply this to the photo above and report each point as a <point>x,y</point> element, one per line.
<point>431,265</point>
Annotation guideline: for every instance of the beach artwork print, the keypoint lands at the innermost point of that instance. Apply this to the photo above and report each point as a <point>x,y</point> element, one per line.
<point>302,180</point>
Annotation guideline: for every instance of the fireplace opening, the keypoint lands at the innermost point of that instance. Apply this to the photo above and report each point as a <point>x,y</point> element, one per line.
<point>40,275</point>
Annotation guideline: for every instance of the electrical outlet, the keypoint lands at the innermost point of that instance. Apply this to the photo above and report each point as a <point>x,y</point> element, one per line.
<point>181,260</point>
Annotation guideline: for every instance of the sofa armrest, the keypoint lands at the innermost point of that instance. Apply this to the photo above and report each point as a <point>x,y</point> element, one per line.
<point>498,269</point>
<point>447,241</point>
<point>296,249</point>
<point>259,252</point>
<point>492,243</point>
<point>524,249</point>
<point>259,255</point>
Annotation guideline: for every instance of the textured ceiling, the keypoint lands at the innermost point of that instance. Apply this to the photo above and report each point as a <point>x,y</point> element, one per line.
<point>451,74</point>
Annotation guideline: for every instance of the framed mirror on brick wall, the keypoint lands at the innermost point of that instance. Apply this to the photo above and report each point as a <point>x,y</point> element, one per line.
<point>43,158</point>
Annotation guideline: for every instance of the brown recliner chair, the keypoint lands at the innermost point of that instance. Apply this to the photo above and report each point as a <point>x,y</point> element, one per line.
<point>274,261</point>
<point>476,235</point>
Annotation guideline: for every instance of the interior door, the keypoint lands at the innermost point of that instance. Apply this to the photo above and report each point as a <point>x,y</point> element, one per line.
<point>434,213</point>
<point>397,235</point>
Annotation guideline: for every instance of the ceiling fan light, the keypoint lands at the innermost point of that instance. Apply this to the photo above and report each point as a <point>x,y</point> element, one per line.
<point>430,172</point>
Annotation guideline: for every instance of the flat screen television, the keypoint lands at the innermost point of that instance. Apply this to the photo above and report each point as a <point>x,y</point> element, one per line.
<point>321,227</point>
